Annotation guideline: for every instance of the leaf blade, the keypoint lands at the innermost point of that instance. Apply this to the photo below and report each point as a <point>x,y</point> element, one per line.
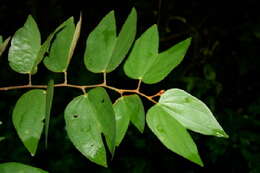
<point>172,134</point>
<point>49,99</point>
<point>28,116</point>
<point>105,114</point>
<point>100,44</point>
<point>128,108</point>
<point>18,167</point>
<point>83,130</point>
<point>57,61</point>
<point>124,41</point>
<point>166,62</point>
<point>191,112</point>
<point>143,54</point>
<point>75,39</point>
<point>122,120</point>
<point>25,46</point>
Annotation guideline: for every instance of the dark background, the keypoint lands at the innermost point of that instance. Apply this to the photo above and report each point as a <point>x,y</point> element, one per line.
<point>221,68</point>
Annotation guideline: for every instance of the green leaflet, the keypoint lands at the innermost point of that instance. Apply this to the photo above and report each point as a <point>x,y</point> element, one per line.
<point>1,138</point>
<point>49,99</point>
<point>45,47</point>
<point>25,46</point>
<point>61,51</point>
<point>144,61</point>
<point>190,112</point>
<point>4,44</point>
<point>172,134</point>
<point>28,116</point>
<point>104,50</point>
<point>88,116</point>
<point>74,39</point>
<point>128,108</point>
<point>13,167</point>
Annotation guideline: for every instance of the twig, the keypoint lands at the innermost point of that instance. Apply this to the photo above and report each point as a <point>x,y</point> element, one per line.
<point>82,88</point>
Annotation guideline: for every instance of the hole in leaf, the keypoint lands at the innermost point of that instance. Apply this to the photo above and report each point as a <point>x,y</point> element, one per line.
<point>102,101</point>
<point>43,121</point>
<point>75,116</point>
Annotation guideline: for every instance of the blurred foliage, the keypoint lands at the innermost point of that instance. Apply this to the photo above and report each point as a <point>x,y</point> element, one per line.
<point>221,69</point>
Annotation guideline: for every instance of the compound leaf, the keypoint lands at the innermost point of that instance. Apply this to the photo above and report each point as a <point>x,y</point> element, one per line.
<point>28,116</point>
<point>25,46</point>
<point>18,168</point>
<point>104,50</point>
<point>88,116</point>
<point>190,112</point>
<point>128,108</point>
<point>146,64</point>
<point>3,45</point>
<point>172,134</point>
<point>59,55</point>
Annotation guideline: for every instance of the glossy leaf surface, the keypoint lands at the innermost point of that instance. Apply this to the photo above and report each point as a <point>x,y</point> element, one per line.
<point>58,59</point>
<point>88,116</point>
<point>172,134</point>
<point>190,112</point>
<point>28,116</point>
<point>104,50</point>
<point>25,46</point>
<point>128,108</point>
<point>146,64</point>
<point>13,167</point>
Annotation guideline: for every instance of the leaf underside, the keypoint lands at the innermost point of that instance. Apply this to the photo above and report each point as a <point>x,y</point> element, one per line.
<point>172,134</point>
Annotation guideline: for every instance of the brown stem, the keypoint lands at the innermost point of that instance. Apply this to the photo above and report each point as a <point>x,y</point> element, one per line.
<point>30,79</point>
<point>82,88</point>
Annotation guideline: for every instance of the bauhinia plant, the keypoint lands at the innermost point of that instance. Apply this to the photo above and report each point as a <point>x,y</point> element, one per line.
<point>92,113</point>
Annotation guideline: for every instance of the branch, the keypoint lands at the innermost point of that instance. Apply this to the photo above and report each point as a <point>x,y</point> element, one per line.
<point>83,88</point>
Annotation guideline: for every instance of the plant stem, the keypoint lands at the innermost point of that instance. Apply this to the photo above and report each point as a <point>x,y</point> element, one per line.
<point>30,79</point>
<point>83,88</point>
<point>65,78</point>
<point>138,85</point>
